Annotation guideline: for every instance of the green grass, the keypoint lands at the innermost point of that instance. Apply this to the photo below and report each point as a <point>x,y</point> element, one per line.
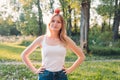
<point>89,70</point>
<point>10,52</point>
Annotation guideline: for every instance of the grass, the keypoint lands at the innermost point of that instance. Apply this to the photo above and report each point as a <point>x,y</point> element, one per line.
<point>94,68</point>
<point>10,52</point>
<point>89,70</point>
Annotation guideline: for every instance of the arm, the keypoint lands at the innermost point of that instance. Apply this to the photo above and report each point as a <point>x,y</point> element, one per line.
<point>79,53</point>
<point>25,54</point>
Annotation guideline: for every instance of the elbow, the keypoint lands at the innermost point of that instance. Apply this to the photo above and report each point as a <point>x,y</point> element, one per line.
<point>82,58</point>
<point>23,56</point>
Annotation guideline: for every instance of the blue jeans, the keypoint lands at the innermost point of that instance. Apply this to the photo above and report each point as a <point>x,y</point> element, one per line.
<point>48,75</point>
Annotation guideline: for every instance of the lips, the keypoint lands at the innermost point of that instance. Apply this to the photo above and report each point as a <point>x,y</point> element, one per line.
<point>54,26</point>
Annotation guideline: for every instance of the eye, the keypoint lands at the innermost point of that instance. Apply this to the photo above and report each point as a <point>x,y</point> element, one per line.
<point>53,21</point>
<point>58,21</point>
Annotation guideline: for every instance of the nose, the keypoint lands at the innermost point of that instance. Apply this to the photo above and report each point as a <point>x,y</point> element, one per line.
<point>55,23</point>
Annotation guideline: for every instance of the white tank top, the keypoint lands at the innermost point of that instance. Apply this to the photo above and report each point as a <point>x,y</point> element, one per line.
<point>53,57</point>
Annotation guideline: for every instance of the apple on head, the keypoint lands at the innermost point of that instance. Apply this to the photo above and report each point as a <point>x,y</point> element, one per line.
<point>57,11</point>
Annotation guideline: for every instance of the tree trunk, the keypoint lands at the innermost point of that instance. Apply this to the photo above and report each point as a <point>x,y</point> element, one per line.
<point>69,21</point>
<point>116,21</point>
<point>40,21</point>
<point>75,22</point>
<point>84,27</point>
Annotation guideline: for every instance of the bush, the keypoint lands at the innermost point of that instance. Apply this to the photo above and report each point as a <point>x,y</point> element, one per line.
<point>25,43</point>
<point>104,50</point>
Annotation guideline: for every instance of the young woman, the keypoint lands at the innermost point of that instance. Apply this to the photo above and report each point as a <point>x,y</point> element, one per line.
<point>53,49</point>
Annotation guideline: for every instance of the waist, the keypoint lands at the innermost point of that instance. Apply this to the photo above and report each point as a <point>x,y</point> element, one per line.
<point>54,71</point>
<point>53,65</point>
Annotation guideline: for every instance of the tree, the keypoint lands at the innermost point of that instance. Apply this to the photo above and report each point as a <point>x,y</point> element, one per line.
<point>116,22</point>
<point>66,8</point>
<point>111,9</point>
<point>84,27</point>
<point>7,20</point>
<point>40,20</point>
<point>71,10</point>
<point>106,10</point>
<point>31,22</point>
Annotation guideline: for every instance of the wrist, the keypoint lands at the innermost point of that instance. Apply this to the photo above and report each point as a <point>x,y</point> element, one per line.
<point>69,70</point>
<point>34,70</point>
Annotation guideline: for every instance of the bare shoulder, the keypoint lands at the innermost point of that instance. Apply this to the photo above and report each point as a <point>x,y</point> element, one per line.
<point>72,45</point>
<point>70,42</point>
<point>39,40</point>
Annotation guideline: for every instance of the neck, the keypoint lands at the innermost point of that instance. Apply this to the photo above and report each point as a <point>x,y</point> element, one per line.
<point>52,34</point>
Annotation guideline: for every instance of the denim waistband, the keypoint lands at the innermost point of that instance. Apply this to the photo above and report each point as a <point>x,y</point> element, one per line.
<point>53,71</point>
<point>49,75</point>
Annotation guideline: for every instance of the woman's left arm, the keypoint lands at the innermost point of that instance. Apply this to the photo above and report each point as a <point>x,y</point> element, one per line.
<point>79,53</point>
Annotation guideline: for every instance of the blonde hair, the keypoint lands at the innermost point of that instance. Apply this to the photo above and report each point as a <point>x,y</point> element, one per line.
<point>62,32</point>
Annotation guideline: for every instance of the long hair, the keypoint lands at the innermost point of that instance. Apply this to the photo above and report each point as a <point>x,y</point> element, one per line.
<point>62,33</point>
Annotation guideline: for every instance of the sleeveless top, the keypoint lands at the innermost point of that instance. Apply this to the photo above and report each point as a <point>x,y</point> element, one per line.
<point>53,57</point>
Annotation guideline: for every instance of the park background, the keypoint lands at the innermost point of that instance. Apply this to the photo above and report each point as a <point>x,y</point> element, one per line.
<point>21,21</point>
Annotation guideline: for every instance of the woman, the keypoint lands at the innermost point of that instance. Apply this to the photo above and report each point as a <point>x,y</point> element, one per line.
<point>53,45</point>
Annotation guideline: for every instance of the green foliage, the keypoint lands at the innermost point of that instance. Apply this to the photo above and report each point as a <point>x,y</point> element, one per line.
<point>30,26</point>
<point>89,70</point>
<point>22,17</point>
<point>25,43</point>
<point>105,51</point>
<point>14,31</point>
<point>100,37</point>
<point>31,23</point>
<point>106,8</point>
<point>102,40</point>
<point>8,30</point>
<point>8,27</point>
<point>116,44</point>
<point>16,72</point>
<point>71,14</point>
<point>94,32</point>
<point>4,30</point>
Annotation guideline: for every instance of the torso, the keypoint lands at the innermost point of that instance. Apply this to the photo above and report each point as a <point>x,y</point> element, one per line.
<point>53,54</point>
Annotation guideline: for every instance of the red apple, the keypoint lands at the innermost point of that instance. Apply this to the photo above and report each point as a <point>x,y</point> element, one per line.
<point>57,11</point>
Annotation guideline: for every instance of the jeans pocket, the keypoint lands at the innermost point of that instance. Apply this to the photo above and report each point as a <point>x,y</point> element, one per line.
<point>44,75</point>
<point>63,75</point>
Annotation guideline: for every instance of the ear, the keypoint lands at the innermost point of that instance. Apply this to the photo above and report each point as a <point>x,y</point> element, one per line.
<point>48,24</point>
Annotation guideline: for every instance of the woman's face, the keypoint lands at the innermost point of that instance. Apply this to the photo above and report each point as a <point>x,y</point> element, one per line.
<point>56,23</point>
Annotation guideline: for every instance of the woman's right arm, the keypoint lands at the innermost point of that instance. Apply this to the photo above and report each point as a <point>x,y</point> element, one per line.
<point>25,54</point>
